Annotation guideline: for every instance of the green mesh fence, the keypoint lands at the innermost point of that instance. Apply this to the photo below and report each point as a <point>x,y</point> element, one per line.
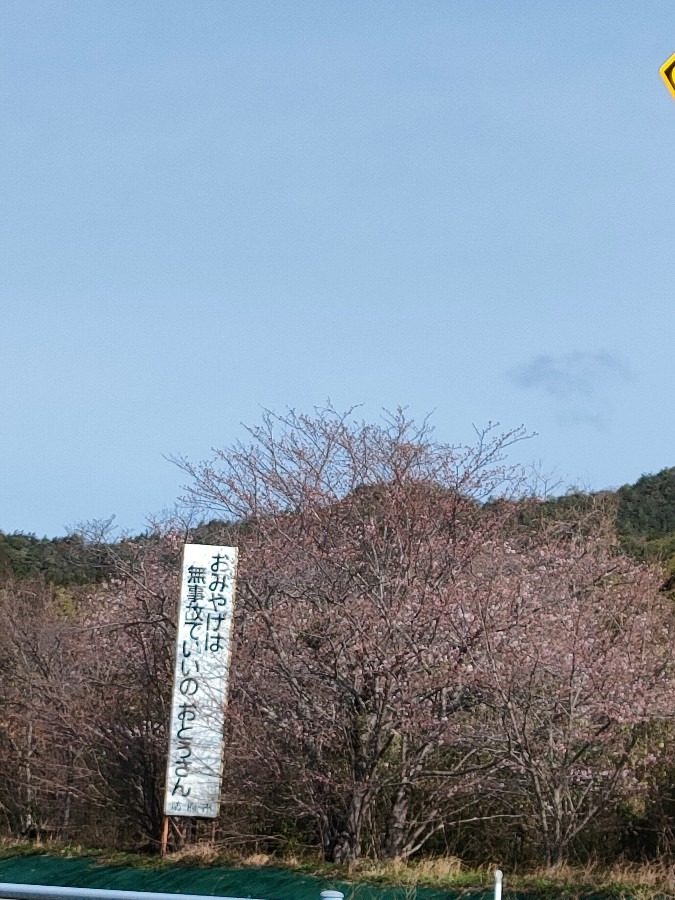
<point>264,883</point>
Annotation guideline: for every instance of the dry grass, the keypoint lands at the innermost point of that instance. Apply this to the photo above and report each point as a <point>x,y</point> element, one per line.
<point>645,881</point>
<point>441,867</point>
<point>432,868</point>
<point>637,881</point>
<point>208,854</point>
<point>258,860</point>
<point>656,874</point>
<point>197,854</point>
<point>428,872</point>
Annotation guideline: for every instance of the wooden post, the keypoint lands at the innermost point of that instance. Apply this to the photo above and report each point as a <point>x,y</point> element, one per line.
<point>165,837</point>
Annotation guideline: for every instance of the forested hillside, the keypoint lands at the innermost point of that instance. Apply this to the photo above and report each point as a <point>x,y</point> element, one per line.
<point>427,659</point>
<point>57,561</point>
<point>644,514</point>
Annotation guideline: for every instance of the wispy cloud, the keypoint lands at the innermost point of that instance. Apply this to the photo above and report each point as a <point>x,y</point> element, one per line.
<point>580,383</point>
<point>575,374</point>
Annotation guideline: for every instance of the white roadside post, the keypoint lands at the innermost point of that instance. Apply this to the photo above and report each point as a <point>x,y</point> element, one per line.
<point>499,875</point>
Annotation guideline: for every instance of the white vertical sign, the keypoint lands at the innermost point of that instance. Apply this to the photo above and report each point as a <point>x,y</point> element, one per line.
<point>203,649</point>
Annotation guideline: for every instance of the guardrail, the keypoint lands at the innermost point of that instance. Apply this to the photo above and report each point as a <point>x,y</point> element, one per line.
<point>46,892</point>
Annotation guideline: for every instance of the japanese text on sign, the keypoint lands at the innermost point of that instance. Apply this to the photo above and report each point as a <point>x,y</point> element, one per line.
<point>203,649</point>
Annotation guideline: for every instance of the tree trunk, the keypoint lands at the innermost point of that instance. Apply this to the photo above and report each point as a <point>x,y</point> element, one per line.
<point>397,824</point>
<point>347,845</point>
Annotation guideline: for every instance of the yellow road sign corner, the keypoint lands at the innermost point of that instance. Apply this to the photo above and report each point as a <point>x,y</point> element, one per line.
<point>667,72</point>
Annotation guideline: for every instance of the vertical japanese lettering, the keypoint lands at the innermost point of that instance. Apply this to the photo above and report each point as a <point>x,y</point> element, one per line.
<point>200,685</point>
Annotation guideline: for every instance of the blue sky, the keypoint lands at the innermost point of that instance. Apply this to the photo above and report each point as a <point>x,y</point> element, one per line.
<point>459,206</point>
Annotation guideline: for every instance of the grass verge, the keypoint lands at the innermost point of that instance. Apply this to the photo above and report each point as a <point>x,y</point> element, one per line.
<point>646,881</point>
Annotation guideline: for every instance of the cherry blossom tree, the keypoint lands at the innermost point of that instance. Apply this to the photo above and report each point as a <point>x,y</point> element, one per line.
<point>85,675</point>
<point>129,621</point>
<point>353,540</point>
<point>577,665</point>
<point>404,640</point>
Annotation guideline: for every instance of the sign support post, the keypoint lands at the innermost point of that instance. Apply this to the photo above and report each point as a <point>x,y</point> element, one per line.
<point>165,836</point>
